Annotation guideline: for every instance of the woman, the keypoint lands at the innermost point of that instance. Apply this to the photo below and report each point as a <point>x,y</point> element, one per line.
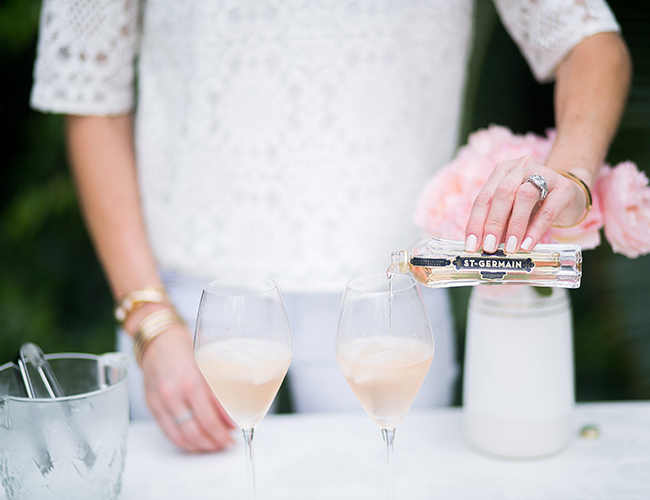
<point>292,140</point>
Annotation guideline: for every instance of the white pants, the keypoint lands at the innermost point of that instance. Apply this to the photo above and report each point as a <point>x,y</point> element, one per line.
<point>315,380</point>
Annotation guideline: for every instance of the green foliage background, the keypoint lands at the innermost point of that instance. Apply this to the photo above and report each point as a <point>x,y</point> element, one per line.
<point>52,290</point>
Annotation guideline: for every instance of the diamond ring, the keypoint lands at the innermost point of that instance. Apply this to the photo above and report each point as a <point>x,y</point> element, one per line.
<point>184,416</point>
<point>540,183</point>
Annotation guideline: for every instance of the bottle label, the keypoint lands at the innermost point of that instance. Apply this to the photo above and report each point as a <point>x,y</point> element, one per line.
<point>422,262</point>
<point>493,266</point>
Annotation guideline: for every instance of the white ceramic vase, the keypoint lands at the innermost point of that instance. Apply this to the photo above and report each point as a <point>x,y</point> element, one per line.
<point>518,389</point>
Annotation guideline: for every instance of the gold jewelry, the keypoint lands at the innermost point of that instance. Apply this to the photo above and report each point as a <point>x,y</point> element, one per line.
<point>150,327</point>
<point>132,300</point>
<point>588,198</point>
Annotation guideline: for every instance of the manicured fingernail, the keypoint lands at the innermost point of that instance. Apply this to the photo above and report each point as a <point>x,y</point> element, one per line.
<point>470,243</point>
<point>511,246</point>
<point>490,243</point>
<point>527,243</point>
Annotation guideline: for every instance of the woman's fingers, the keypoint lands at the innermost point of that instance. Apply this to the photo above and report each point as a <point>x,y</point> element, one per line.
<point>474,233</point>
<point>501,209</point>
<point>509,210</point>
<point>526,202</point>
<point>183,430</point>
<point>543,219</point>
<point>175,433</point>
<point>179,398</point>
<point>213,420</point>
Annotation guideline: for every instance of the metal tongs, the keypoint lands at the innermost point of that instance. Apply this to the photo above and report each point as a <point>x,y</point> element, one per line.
<point>32,354</point>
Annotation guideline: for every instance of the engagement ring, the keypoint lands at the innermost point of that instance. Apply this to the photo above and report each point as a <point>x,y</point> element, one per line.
<point>540,183</point>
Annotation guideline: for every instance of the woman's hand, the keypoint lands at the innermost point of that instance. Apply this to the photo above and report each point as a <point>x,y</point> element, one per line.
<point>591,87</point>
<point>509,209</point>
<point>179,397</point>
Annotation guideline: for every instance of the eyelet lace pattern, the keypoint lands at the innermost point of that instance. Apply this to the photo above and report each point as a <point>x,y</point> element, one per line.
<point>546,30</point>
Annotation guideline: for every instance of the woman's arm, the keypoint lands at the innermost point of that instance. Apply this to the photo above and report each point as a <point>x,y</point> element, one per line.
<point>101,155</point>
<point>103,164</point>
<point>591,89</point>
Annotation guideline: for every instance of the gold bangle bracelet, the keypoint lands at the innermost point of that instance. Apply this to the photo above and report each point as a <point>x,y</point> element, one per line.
<point>150,327</point>
<point>588,198</point>
<point>132,300</point>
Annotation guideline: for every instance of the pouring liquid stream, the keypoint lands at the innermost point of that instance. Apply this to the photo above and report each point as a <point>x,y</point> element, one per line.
<point>390,273</point>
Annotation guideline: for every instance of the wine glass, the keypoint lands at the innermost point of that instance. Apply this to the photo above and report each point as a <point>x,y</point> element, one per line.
<point>384,347</point>
<point>243,347</point>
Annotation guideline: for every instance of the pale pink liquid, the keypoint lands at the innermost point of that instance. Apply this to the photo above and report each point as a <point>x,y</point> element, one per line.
<point>385,374</point>
<point>245,375</point>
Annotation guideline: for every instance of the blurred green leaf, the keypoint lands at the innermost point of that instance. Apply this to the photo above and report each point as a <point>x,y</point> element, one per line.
<point>18,23</point>
<point>29,212</point>
<point>52,290</point>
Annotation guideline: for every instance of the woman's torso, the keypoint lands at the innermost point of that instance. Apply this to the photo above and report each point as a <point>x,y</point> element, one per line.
<point>292,139</point>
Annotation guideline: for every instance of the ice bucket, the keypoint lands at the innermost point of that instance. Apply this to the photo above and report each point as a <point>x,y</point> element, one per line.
<point>72,447</point>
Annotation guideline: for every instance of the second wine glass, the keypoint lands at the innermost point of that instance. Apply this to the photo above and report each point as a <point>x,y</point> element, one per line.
<point>384,347</point>
<point>243,348</point>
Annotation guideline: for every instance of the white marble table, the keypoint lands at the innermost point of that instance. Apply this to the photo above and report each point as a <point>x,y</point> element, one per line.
<point>341,456</point>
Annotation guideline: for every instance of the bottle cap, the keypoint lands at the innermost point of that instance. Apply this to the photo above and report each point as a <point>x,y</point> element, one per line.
<point>590,431</point>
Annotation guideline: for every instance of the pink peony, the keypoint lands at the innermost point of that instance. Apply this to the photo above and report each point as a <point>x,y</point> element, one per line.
<point>625,197</point>
<point>621,198</point>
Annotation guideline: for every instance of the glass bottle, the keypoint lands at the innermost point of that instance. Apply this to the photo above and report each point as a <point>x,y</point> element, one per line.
<point>439,262</point>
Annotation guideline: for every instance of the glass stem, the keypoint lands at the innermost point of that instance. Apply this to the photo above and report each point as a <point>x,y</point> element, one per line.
<point>389,435</point>
<point>250,462</point>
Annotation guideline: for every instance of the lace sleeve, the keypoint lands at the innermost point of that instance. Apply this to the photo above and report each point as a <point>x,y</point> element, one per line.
<point>547,30</point>
<point>85,57</point>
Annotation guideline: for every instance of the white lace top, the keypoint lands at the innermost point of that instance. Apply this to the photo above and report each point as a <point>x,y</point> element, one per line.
<point>287,138</point>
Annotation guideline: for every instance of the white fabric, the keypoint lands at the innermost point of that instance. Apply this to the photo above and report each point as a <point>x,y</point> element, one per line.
<point>86,50</point>
<point>283,138</point>
<point>315,380</point>
<point>547,30</point>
